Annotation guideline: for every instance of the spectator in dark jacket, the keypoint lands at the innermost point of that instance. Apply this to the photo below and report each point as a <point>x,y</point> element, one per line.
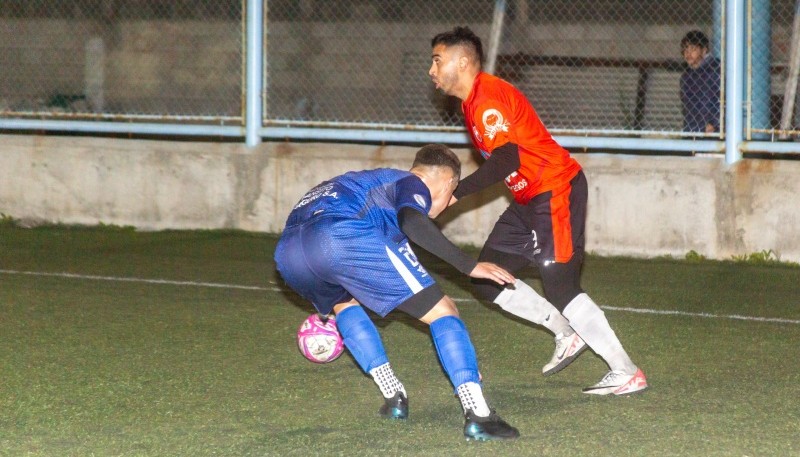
<point>700,85</point>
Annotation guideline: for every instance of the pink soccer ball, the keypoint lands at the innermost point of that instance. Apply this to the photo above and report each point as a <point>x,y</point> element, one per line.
<point>319,339</point>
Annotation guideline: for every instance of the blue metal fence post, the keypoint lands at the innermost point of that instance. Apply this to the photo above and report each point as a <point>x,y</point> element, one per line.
<point>495,35</point>
<point>758,60</point>
<point>254,65</point>
<point>716,30</point>
<point>734,78</point>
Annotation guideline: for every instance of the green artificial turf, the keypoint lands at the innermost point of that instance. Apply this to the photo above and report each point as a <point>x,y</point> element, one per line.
<point>94,365</point>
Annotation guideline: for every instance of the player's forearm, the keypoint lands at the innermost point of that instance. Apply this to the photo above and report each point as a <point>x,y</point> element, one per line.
<point>423,232</point>
<point>503,162</point>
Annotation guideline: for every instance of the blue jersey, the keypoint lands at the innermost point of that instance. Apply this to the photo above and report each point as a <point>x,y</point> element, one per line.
<point>374,196</point>
<point>342,241</point>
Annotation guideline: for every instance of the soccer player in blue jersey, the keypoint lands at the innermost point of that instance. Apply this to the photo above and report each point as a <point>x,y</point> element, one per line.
<point>346,246</point>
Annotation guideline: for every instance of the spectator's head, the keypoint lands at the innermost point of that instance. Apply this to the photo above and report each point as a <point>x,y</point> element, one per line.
<point>694,48</point>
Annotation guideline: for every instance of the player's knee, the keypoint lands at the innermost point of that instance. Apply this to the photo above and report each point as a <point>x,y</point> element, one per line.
<point>444,307</point>
<point>561,298</point>
<point>338,308</point>
<point>561,293</point>
<point>485,289</point>
<point>561,281</point>
<point>489,290</point>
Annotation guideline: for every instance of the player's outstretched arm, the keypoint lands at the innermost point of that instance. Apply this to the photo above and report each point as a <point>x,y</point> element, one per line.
<point>422,231</point>
<point>493,272</point>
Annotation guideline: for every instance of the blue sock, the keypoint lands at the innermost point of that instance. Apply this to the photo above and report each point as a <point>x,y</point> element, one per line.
<point>455,350</point>
<point>361,338</point>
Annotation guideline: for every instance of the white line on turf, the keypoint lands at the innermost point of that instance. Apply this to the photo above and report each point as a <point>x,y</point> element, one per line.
<point>714,316</point>
<point>142,280</point>
<point>461,300</point>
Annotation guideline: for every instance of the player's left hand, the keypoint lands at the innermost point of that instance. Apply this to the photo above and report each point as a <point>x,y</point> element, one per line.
<point>491,271</point>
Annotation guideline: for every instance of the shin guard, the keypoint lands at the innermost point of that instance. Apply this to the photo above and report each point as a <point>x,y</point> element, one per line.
<point>361,338</point>
<point>456,352</point>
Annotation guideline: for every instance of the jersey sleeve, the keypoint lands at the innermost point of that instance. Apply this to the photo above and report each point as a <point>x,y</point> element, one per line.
<point>422,231</point>
<point>411,192</point>
<point>504,161</point>
<point>493,123</point>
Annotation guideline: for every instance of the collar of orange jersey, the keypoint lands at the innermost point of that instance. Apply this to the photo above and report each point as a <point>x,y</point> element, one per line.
<point>472,92</point>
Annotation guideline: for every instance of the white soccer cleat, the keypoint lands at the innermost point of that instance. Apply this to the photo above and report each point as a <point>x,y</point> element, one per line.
<point>568,348</point>
<point>618,383</point>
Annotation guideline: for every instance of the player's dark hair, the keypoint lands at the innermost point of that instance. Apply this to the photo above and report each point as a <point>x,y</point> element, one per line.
<point>438,155</point>
<point>461,36</point>
<point>694,38</point>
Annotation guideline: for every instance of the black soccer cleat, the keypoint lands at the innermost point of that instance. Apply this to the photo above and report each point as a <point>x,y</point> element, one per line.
<point>491,427</point>
<point>395,407</point>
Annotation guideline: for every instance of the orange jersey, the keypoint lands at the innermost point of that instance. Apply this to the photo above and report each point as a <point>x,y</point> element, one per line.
<point>497,113</point>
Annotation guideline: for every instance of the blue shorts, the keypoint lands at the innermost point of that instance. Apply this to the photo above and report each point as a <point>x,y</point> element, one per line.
<point>330,260</point>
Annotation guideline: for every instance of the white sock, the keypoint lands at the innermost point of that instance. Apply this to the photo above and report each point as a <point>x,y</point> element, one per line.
<point>522,301</point>
<point>471,396</point>
<point>386,380</point>
<point>591,324</point>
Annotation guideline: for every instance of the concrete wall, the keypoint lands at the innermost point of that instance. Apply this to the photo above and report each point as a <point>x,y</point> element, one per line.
<point>191,67</point>
<point>639,205</point>
<point>151,67</point>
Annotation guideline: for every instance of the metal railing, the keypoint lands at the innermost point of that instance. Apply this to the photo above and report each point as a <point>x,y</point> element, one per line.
<point>601,76</point>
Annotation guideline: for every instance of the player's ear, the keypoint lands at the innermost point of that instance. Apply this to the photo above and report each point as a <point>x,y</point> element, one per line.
<point>463,62</point>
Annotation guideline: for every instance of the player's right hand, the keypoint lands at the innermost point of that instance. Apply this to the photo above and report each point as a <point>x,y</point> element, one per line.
<point>494,272</point>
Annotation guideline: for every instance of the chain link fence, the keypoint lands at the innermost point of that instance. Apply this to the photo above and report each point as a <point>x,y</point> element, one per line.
<point>360,62</point>
<point>775,62</point>
<point>122,59</point>
<point>611,67</point>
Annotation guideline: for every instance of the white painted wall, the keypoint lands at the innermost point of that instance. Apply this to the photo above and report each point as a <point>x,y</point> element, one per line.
<point>638,205</point>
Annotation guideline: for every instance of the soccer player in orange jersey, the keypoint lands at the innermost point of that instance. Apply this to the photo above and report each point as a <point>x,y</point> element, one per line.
<point>544,225</point>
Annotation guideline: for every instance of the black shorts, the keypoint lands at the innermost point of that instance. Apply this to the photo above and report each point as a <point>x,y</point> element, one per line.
<point>422,302</point>
<point>549,228</point>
